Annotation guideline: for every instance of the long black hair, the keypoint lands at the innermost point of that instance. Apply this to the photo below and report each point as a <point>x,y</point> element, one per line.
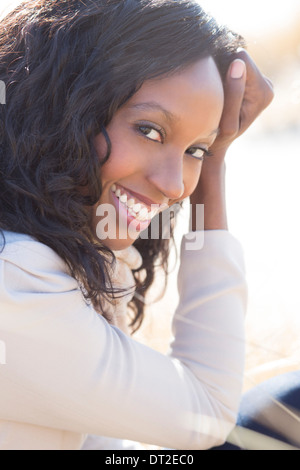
<point>68,66</point>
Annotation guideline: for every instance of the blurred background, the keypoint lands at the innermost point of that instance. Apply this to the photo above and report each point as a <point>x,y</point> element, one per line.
<point>263,186</point>
<point>263,192</point>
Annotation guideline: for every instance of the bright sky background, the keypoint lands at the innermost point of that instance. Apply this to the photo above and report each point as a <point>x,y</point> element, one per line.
<point>255,16</point>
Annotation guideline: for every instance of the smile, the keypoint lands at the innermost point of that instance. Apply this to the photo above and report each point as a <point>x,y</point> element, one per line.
<point>137,209</point>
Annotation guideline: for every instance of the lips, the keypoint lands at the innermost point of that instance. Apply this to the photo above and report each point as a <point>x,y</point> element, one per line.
<point>137,208</point>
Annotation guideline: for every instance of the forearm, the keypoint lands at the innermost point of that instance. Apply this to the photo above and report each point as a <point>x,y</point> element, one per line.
<point>211,192</point>
<point>92,379</point>
<point>208,326</point>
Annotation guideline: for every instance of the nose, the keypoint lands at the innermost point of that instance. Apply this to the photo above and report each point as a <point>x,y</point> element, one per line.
<point>167,176</point>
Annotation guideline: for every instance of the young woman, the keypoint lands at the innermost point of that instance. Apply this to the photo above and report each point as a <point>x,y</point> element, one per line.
<point>111,108</point>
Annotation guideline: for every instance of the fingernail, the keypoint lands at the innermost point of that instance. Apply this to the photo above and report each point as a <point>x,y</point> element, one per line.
<point>237,69</point>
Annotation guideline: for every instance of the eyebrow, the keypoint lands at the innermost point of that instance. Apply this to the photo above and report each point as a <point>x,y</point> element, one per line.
<point>152,105</point>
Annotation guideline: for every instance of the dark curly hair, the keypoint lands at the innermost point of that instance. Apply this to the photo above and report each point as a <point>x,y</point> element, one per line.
<point>68,66</point>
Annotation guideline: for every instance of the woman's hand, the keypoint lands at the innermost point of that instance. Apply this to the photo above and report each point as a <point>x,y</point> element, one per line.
<point>247,93</point>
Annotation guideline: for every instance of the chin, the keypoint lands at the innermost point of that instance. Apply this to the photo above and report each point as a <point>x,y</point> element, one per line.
<point>117,244</point>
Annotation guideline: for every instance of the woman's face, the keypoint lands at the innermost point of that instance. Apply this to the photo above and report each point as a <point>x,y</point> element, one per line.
<point>159,138</point>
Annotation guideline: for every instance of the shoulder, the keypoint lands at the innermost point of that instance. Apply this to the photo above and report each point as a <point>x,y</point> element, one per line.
<point>19,247</point>
<point>26,259</point>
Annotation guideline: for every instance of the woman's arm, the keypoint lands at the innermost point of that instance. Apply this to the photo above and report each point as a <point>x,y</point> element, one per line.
<point>247,94</point>
<point>69,370</point>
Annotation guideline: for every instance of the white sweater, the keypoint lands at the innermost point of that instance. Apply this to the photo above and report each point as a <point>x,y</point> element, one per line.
<point>67,373</point>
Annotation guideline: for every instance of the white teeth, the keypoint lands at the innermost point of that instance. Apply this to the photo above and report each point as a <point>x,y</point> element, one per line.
<point>137,207</point>
<point>131,212</point>
<point>136,210</point>
<point>143,214</point>
<point>131,203</point>
<point>123,198</point>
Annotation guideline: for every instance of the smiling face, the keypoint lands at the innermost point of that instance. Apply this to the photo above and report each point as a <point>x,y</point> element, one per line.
<point>159,139</point>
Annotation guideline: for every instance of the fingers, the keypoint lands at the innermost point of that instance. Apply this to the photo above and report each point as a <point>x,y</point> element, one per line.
<point>259,92</point>
<point>254,73</point>
<point>234,90</point>
<point>247,92</point>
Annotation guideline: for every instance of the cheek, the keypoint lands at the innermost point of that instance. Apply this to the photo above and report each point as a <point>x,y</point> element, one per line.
<point>114,169</point>
<point>121,162</point>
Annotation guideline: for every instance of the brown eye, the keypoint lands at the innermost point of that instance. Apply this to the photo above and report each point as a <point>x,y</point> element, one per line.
<point>151,133</point>
<point>196,152</point>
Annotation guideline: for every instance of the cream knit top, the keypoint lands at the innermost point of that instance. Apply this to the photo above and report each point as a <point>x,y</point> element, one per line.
<point>68,374</point>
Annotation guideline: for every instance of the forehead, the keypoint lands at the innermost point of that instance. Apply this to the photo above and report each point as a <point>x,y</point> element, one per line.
<point>194,94</point>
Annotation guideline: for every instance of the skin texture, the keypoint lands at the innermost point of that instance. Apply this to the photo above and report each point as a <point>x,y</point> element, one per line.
<point>206,114</point>
<point>179,116</point>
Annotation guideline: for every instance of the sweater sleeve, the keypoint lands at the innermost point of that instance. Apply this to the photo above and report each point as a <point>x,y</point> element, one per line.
<point>67,368</point>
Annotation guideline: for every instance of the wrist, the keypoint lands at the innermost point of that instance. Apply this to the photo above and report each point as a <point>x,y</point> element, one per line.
<point>212,180</point>
<point>210,192</point>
